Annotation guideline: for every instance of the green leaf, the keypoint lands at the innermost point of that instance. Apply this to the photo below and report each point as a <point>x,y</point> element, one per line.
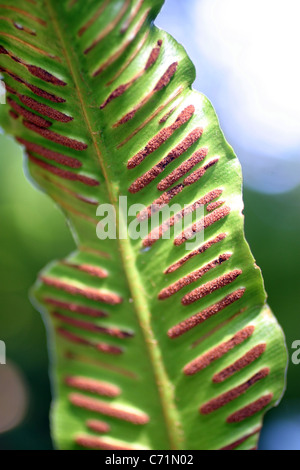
<point>153,346</point>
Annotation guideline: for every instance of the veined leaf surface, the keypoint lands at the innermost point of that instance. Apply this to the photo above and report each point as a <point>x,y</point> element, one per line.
<point>153,346</point>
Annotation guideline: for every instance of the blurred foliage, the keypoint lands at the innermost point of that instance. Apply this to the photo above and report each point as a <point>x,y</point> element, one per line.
<point>272,229</point>
<point>33,232</point>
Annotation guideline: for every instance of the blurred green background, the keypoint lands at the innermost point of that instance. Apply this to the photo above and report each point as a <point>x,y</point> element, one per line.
<point>33,232</point>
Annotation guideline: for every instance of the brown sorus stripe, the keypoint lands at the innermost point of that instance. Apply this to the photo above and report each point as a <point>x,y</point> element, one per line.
<point>88,268</point>
<point>166,197</point>
<point>102,347</point>
<point>160,202</point>
<point>22,28</point>
<point>196,175</point>
<point>117,92</point>
<point>68,175</point>
<point>196,252</point>
<point>132,15</point>
<point>214,205</point>
<point>13,114</point>
<point>6,52</point>
<point>44,109</point>
<point>123,47</point>
<point>167,115</point>
<point>88,326</point>
<point>66,190</point>
<point>92,20</point>
<point>87,292</point>
<point>211,287</point>
<point>39,121</point>
<point>129,60</point>
<point>97,426</point>
<point>24,13</point>
<point>85,199</point>
<point>91,442</point>
<point>70,208</point>
<point>44,75</point>
<point>192,277</point>
<point>184,168</point>
<point>234,393</point>
<point>57,138</point>
<point>72,337</point>
<point>240,364</point>
<point>166,78</point>
<point>33,69</point>
<point>50,154</point>
<point>99,364</point>
<point>219,351</point>
<point>163,82</point>
<point>75,308</point>
<point>44,94</point>
<point>207,313</point>
<point>3,50</point>
<point>37,91</point>
<point>104,32</point>
<point>158,232</point>
<point>203,224</point>
<point>157,169</point>
<point>157,111</point>
<point>93,386</point>
<point>18,26</point>
<point>161,137</point>
<point>217,328</point>
<point>240,441</point>
<point>154,54</point>
<point>250,410</point>
<point>122,88</point>
<point>93,251</point>
<point>9,89</point>
<point>104,408</point>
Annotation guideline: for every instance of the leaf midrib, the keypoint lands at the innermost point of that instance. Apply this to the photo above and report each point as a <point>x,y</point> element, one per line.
<point>164,385</point>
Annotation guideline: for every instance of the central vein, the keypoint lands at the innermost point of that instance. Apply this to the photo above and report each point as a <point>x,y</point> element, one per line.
<point>164,385</point>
